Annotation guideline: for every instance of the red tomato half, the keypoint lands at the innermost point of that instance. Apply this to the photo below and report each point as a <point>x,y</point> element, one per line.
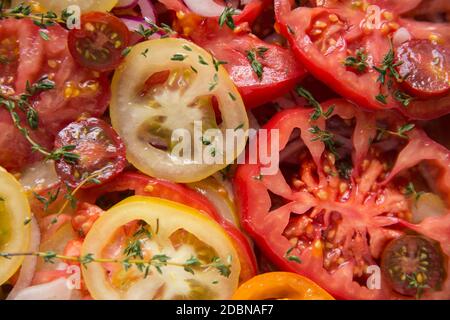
<point>324,38</point>
<point>28,57</point>
<point>99,43</point>
<point>343,194</point>
<point>280,70</point>
<point>100,150</point>
<point>128,184</point>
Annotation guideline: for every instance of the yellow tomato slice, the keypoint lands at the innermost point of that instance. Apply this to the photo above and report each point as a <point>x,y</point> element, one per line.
<point>169,84</point>
<point>14,231</point>
<point>280,285</point>
<point>58,6</point>
<point>174,231</point>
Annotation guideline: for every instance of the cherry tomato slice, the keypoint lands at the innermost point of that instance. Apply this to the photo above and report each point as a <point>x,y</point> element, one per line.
<point>99,43</point>
<point>101,151</point>
<point>425,67</point>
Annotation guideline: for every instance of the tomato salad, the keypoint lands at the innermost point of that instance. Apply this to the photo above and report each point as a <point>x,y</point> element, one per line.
<point>337,184</point>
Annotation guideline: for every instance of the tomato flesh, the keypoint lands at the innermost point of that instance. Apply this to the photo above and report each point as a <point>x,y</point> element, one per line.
<point>99,44</point>
<point>425,67</point>
<point>330,215</point>
<point>101,153</point>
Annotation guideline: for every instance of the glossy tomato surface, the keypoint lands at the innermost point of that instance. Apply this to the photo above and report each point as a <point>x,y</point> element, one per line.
<point>331,208</point>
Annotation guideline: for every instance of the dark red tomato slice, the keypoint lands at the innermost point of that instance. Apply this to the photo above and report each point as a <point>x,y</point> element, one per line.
<point>128,184</point>
<point>101,152</point>
<point>99,43</point>
<point>425,68</point>
<point>324,38</point>
<point>280,69</point>
<point>330,213</point>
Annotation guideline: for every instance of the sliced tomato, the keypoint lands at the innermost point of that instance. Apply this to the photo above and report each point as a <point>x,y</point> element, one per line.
<point>29,58</point>
<point>281,286</point>
<point>14,232</point>
<point>184,246</point>
<point>324,38</point>
<point>330,214</point>
<point>99,43</point>
<point>280,69</point>
<point>129,184</point>
<point>148,118</point>
<point>100,150</point>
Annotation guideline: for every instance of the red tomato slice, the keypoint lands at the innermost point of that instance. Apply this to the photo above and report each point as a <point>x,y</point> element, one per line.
<point>128,184</point>
<point>99,43</point>
<point>280,70</point>
<point>28,57</point>
<point>324,37</point>
<point>330,217</point>
<point>101,152</point>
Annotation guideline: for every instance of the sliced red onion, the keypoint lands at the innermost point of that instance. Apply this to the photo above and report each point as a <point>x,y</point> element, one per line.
<point>126,4</point>
<point>401,36</point>
<point>244,2</point>
<point>205,8</point>
<point>29,263</point>
<point>54,290</point>
<point>133,23</point>
<point>147,9</point>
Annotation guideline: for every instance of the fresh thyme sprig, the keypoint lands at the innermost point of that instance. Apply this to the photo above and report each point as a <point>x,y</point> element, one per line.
<point>410,191</point>
<point>255,64</point>
<point>358,62</point>
<point>318,110</point>
<point>157,261</point>
<point>146,32</point>
<point>21,102</point>
<point>226,17</point>
<point>401,131</point>
<point>42,20</point>
<point>326,137</point>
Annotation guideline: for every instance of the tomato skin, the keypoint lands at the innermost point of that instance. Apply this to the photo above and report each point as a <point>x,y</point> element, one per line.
<point>146,186</point>
<point>281,71</point>
<point>32,58</point>
<point>327,66</point>
<point>99,147</point>
<point>85,217</point>
<point>90,39</point>
<point>268,226</point>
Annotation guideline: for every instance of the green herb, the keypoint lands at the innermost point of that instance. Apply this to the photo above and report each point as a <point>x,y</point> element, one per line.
<point>326,137</point>
<point>232,96</point>
<point>290,30</point>
<point>402,97</point>
<point>226,17</point>
<point>193,69</point>
<point>399,133</point>
<point>358,62</point>
<point>410,191</point>
<point>44,35</point>
<point>126,51</point>
<point>26,221</point>
<point>414,283</point>
<point>147,32</point>
<point>318,110</point>
<point>214,83</point>
<point>387,67</point>
<point>290,257</point>
<point>261,51</point>
<point>224,269</point>
<point>187,48</point>
<point>218,63</point>
<point>381,98</point>
<point>178,57</point>
<point>51,197</point>
<point>240,126</point>
<point>144,53</point>
<point>134,249</point>
<point>255,64</point>
<point>344,169</point>
<point>201,60</point>
<point>405,128</point>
